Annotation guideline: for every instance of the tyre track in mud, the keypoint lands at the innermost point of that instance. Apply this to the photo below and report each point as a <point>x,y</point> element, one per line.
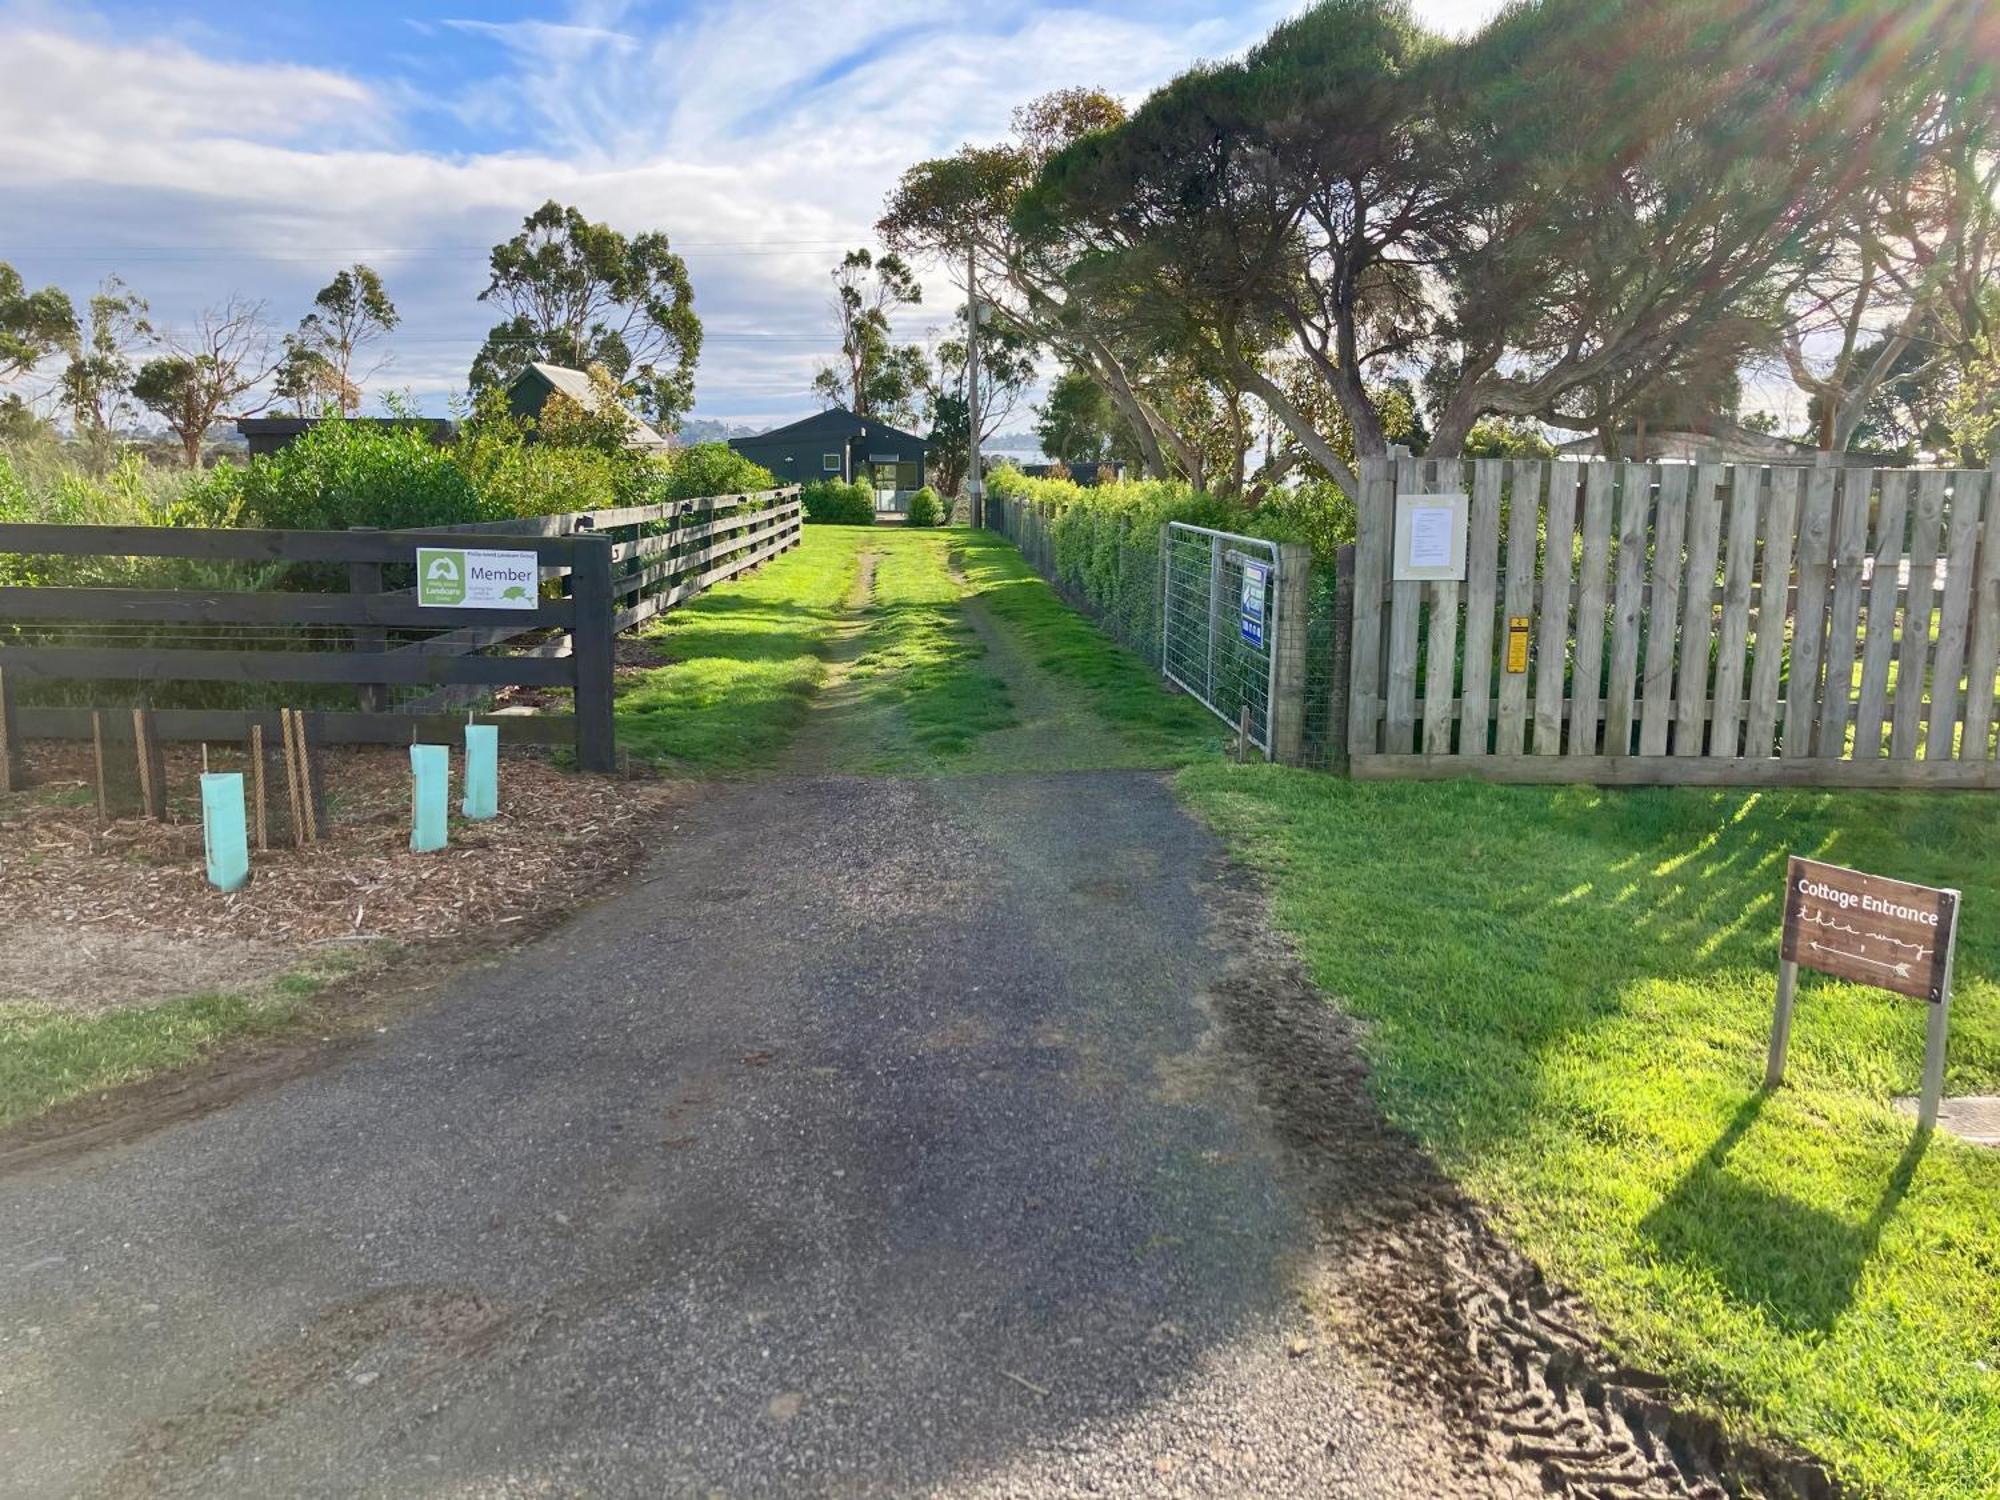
<point>1419,1283</point>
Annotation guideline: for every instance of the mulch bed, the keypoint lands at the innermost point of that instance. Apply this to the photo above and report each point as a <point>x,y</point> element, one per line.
<point>559,837</point>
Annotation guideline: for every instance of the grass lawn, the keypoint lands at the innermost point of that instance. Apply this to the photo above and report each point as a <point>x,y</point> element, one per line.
<point>1566,995</point>
<point>48,1057</point>
<point>923,690</point>
<point>957,660</point>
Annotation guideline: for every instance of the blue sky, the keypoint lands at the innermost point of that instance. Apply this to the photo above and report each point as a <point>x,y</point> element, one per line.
<point>199,149</point>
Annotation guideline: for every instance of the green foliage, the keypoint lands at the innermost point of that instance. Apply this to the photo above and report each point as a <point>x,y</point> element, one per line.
<point>875,376</point>
<point>925,508</point>
<point>350,312</point>
<point>39,484</point>
<point>98,378</point>
<point>1565,993</point>
<point>830,502</point>
<point>1501,437</point>
<point>1317,512</point>
<point>1106,536</point>
<point>711,469</point>
<point>1078,422</point>
<point>33,325</point>
<point>1006,370</point>
<point>341,474</point>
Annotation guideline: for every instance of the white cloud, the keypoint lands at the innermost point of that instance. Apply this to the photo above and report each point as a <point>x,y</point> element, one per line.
<point>763,137</point>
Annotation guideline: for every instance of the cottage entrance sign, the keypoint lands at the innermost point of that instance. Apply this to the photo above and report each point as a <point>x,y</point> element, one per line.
<point>1871,930</point>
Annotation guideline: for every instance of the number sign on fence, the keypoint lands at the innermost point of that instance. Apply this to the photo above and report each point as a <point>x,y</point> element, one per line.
<point>1683,623</point>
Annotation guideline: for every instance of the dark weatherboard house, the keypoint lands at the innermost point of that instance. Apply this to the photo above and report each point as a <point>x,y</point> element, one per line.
<point>836,444</point>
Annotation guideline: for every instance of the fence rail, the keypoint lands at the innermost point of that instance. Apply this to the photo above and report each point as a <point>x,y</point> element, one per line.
<point>620,567</point>
<point>1634,623</point>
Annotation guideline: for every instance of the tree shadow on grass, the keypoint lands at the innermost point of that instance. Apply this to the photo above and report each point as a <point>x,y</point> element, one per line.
<point>1797,1262</point>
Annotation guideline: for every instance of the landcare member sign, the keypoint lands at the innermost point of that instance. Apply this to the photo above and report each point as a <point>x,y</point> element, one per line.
<point>1872,930</point>
<point>476,578</point>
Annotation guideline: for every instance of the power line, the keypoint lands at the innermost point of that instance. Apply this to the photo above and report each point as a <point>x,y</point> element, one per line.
<point>165,253</point>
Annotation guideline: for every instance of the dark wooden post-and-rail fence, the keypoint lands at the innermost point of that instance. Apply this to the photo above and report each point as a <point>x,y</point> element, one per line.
<point>619,567</point>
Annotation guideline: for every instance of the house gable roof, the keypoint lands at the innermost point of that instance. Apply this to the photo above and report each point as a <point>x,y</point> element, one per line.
<point>576,385</point>
<point>834,422</point>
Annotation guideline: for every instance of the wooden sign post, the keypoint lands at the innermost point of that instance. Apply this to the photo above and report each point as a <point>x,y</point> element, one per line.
<point>1875,931</point>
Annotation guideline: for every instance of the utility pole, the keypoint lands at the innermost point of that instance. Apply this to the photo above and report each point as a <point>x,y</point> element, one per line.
<point>975,481</point>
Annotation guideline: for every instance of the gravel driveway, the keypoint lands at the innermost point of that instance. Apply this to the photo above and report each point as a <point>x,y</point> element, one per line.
<point>879,1140</point>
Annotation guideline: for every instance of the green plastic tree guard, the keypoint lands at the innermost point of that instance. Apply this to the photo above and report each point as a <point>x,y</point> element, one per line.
<point>225,836</point>
<point>482,771</point>
<point>430,796</point>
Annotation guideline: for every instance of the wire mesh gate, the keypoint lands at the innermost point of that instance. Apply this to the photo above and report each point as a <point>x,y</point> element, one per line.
<point>1219,625</point>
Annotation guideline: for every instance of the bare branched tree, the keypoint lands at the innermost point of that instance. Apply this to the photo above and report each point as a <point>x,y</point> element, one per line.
<point>212,370</point>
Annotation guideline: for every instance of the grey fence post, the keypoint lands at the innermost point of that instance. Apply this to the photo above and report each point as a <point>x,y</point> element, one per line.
<point>366,578</point>
<point>1288,655</point>
<point>591,649</point>
<point>1341,675</point>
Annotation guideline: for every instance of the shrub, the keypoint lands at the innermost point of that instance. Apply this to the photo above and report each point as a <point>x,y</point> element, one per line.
<point>832,503</point>
<point>712,469</point>
<point>342,474</point>
<point>925,509</point>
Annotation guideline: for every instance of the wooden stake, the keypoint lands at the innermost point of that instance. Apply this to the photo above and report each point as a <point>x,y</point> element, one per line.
<point>257,787</point>
<point>294,781</point>
<point>152,762</point>
<point>314,786</point>
<point>13,773</point>
<point>97,748</point>
<point>1243,735</point>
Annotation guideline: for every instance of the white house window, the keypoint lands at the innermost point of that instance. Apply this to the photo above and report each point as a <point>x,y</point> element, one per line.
<point>830,462</point>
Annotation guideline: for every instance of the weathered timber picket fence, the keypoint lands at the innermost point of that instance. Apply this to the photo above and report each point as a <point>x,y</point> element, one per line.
<point>609,571</point>
<point>1712,623</point>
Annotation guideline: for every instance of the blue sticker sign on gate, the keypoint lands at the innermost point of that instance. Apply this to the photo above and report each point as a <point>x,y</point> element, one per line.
<point>1255,577</point>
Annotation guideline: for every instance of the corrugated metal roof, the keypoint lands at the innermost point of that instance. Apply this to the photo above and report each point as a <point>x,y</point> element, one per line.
<point>576,385</point>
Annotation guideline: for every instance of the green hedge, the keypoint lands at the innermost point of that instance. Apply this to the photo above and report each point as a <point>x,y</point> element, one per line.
<point>829,502</point>
<point>925,508</point>
<point>1100,546</point>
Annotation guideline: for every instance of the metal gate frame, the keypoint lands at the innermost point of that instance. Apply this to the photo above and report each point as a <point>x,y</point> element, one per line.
<point>1196,605</point>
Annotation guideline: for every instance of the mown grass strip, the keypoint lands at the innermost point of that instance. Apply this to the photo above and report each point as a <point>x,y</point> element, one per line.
<point>747,659</point>
<point>1117,687</point>
<point>920,654</point>
<point>1566,995</point>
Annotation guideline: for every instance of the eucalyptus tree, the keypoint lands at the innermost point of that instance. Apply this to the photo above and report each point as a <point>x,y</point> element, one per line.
<point>96,384</point>
<point>585,295</point>
<point>215,367</point>
<point>1006,371</point>
<point>33,325</point>
<point>350,313</point>
<point>960,211</point>
<point>874,376</point>
<point>1896,302</point>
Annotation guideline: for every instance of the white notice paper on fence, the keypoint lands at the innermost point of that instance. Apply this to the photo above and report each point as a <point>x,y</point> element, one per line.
<point>1430,536</point>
